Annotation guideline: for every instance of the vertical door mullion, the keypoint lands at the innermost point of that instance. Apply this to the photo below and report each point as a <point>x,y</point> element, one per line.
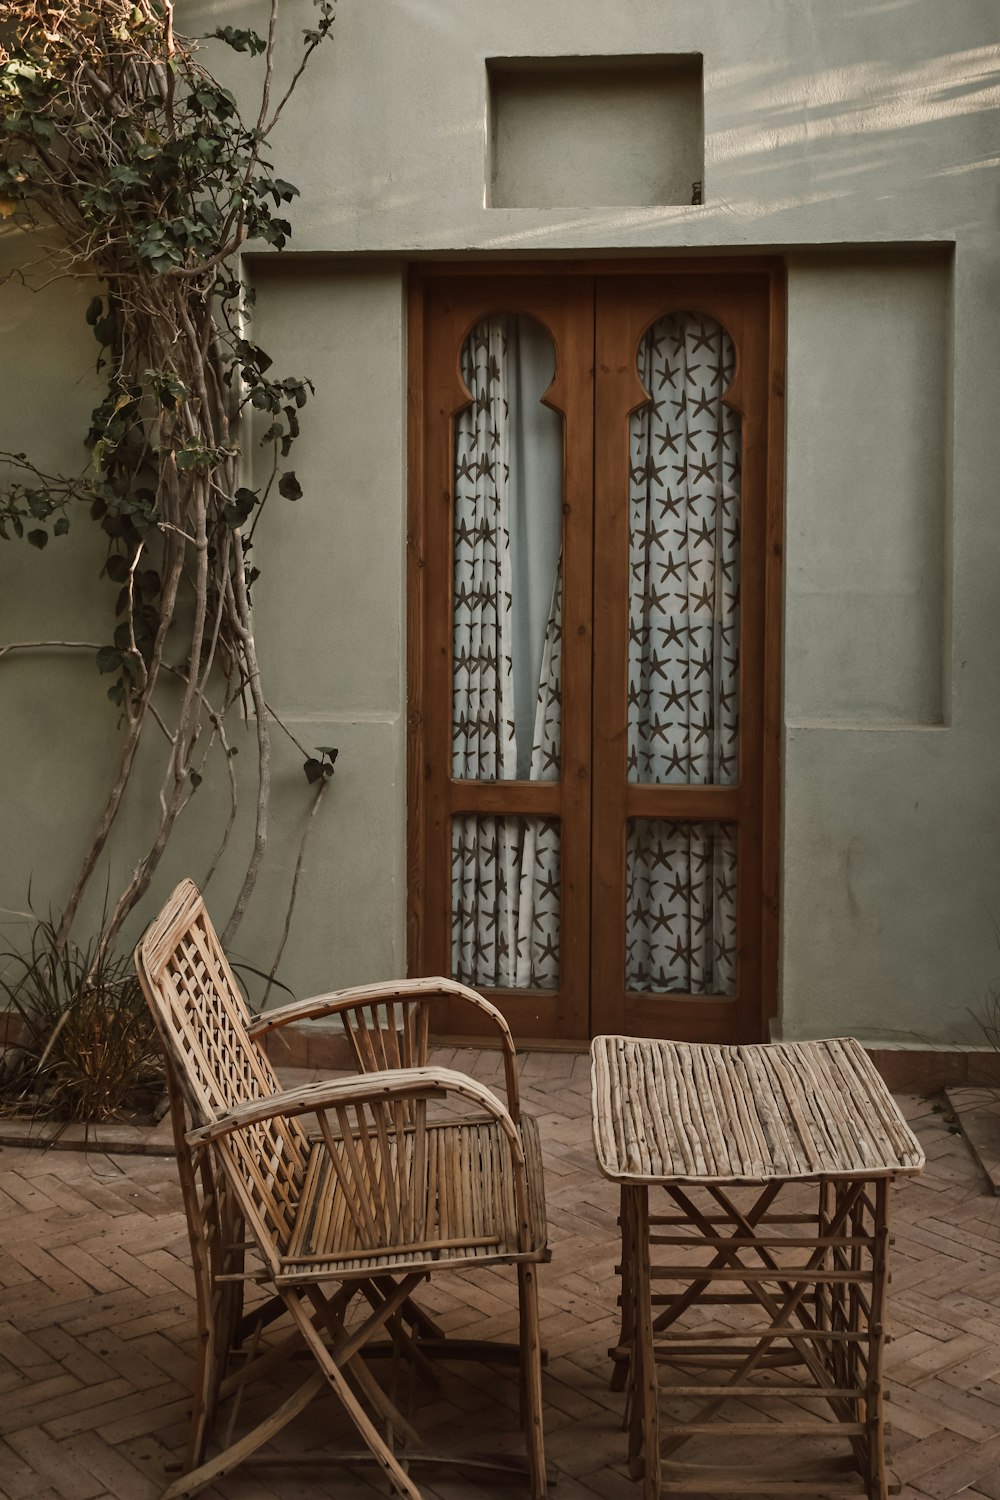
<point>573,392</point>
<point>618,391</point>
<point>749,392</point>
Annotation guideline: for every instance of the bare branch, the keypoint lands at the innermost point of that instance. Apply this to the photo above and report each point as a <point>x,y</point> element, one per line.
<point>321,787</point>
<point>242,625</point>
<point>48,646</point>
<point>286,731</point>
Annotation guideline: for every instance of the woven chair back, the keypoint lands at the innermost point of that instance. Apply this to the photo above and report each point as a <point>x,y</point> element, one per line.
<point>202,1019</point>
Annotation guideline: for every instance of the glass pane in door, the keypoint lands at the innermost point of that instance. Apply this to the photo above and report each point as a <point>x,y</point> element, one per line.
<point>507,594</point>
<point>506,653</point>
<point>505,902</point>
<point>680,932</point>
<point>684,544</point>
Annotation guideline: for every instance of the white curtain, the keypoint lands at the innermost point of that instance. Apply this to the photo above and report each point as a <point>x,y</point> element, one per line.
<point>683,698</point>
<point>506,654</point>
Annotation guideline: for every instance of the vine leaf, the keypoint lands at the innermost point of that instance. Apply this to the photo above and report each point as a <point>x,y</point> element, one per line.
<point>109,659</point>
<point>317,770</point>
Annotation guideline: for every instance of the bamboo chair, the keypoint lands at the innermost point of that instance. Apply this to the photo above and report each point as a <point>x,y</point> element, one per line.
<point>341,1225</point>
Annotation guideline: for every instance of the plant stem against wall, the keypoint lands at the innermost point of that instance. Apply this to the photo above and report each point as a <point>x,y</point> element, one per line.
<point>113,133</point>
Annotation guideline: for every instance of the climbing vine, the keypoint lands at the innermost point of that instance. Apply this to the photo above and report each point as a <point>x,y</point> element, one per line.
<point>114,134</point>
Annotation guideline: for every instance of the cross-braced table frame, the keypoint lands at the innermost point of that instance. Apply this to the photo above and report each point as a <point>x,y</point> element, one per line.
<point>819,1317</point>
<point>752,1311</point>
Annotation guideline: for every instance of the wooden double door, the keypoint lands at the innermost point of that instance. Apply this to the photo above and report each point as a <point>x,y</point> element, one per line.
<point>594,653</point>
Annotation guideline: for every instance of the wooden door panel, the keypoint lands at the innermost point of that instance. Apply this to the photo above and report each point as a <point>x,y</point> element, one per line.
<point>626,308</point>
<point>452,309</point>
<point>596,320</point>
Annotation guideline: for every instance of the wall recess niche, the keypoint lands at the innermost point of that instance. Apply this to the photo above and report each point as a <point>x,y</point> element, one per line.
<point>595,132</point>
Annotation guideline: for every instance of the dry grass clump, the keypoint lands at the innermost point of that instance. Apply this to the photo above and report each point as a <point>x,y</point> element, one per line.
<point>87,1047</point>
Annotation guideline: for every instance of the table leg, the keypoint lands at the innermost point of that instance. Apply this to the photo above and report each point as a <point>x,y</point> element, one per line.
<point>878,1477</point>
<point>619,1356</point>
<point>644,1426</point>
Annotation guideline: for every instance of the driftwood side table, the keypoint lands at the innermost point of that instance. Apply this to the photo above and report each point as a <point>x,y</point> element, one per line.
<point>776,1162</point>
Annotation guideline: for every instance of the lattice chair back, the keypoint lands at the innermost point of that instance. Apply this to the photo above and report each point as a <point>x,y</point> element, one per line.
<point>202,1019</point>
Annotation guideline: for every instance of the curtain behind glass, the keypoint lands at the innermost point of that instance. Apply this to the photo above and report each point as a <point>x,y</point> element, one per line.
<point>506,654</point>
<point>683,703</point>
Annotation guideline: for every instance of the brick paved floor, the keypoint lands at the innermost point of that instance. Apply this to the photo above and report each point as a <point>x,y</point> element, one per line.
<point>96,1327</point>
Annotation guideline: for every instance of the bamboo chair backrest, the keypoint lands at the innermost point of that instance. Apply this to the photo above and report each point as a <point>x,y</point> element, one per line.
<point>202,1019</point>
<point>391,1034</point>
<point>377,1151</point>
<point>380,1147</point>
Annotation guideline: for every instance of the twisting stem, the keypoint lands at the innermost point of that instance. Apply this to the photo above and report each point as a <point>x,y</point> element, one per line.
<point>243,626</point>
<point>147,171</point>
<point>126,761</point>
<point>321,787</point>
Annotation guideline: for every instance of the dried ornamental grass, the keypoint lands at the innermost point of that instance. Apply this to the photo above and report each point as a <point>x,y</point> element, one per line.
<point>87,1048</point>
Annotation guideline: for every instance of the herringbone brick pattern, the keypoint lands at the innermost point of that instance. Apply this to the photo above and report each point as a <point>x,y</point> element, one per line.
<point>96,1328</point>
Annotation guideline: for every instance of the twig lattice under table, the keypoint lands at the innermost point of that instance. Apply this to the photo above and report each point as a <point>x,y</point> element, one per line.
<point>776,1162</point>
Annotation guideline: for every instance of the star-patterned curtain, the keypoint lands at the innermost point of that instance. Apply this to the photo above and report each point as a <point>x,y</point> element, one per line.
<point>505,870</point>
<point>683,655</point>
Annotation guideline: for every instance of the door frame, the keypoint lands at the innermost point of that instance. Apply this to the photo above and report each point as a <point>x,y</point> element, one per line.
<point>771,271</point>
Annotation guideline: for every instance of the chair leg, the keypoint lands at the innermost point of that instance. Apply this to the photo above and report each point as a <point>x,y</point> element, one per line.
<point>193,1482</point>
<point>211,1348</point>
<point>336,1378</point>
<point>531,1375</point>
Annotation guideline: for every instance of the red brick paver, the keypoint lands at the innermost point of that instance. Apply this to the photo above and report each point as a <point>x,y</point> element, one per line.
<point>96,1327</point>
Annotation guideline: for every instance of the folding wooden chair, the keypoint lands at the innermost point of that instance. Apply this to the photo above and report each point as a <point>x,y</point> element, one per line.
<point>342,1224</point>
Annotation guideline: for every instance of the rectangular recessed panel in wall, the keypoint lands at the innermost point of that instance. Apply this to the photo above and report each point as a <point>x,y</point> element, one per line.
<point>595,132</point>
<point>869,394</point>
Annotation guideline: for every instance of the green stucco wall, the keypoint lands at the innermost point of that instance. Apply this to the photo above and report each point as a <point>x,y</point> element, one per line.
<point>861,138</point>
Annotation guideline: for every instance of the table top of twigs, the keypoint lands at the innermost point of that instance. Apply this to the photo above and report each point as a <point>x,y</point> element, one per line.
<point>685,1112</point>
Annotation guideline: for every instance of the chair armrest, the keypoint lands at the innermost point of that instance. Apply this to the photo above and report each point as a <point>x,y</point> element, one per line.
<point>366,1088</point>
<point>360,996</point>
<point>333,1002</point>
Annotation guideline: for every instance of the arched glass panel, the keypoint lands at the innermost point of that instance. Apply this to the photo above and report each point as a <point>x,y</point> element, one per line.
<point>507,611</point>
<point>684,513</point>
